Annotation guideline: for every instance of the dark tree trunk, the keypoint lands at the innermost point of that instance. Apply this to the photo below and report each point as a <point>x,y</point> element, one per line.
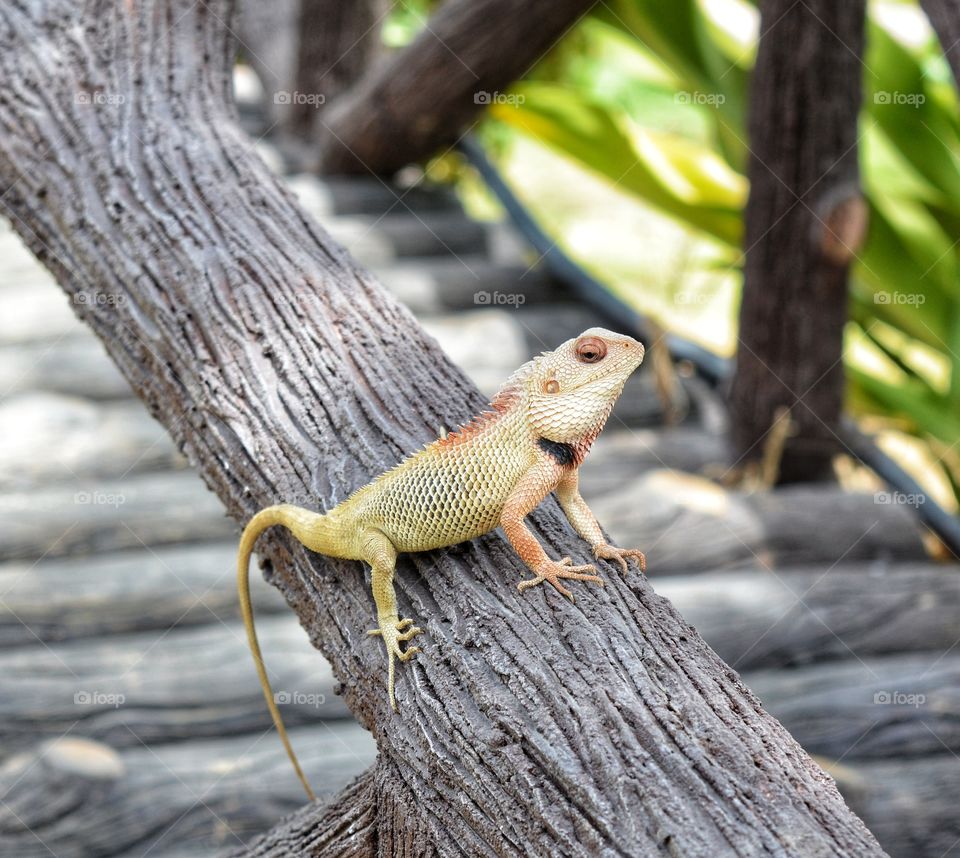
<point>306,52</point>
<point>944,15</point>
<point>805,222</point>
<point>527,725</point>
<point>337,42</point>
<point>426,96</point>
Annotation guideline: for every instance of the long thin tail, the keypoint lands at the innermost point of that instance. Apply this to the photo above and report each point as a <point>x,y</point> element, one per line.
<point>309,528</point>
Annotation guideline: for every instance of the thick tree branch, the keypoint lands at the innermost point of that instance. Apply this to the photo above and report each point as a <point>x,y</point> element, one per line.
<point>425,96</point>
<point>527,725</point>
<point>944,15</point>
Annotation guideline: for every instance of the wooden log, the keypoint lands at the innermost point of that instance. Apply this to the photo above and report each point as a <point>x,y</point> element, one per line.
<point>820,612</point>
<point>687,523</point>
<point>911,805</point>
<point>48,437</point>
<point>503,742</point>
<point>163,685</point>
<point>58,599</point>
<point>78,798</point>
<point>86,516</point>
<point>424,97</point>
<point>74,366</point>
<point>874,707</point>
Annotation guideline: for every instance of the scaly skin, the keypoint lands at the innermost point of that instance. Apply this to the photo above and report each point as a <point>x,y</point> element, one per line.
<point>491,473</point>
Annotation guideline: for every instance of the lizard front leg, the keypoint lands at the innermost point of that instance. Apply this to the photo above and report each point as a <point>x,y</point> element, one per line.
<point>532,488</point>
<point>586,524</point>
<point>379,552</point>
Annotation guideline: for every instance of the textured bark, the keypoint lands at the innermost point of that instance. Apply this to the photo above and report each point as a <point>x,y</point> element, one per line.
<point>944,15</point>
<point>805,221</point>
<point>527,725</point>
<point>424,97</point>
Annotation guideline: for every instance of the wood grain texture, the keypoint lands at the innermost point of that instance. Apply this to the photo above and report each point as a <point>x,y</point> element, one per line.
<point>284,372</point>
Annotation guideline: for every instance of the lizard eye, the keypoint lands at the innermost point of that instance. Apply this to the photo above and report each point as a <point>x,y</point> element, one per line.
<point>590,350</point>
<point>551,385</point>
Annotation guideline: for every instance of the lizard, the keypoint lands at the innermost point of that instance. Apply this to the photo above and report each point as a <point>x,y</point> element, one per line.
<point>491,472</point>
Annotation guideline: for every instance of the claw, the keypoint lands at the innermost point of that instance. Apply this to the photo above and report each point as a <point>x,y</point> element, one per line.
<point>551,571</point>
<point>621,556</point>
<point>394,632</point>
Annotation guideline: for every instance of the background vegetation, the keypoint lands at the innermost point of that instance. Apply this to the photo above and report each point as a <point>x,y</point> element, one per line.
<point>641,111</point>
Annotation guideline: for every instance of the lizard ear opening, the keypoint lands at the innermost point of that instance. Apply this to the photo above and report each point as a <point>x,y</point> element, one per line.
<point>551,385</point>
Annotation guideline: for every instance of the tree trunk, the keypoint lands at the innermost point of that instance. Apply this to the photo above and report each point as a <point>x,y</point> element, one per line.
<point>306,52</point>
<point>426,95</point>
<point>944,15</point>
<point>285,373</point>
<point>805,222</point>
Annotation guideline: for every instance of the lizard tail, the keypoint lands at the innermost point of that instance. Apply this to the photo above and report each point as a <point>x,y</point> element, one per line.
<point>310,529</point>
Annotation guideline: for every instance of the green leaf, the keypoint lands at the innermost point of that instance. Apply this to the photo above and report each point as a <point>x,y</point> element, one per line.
<point>682,178</point>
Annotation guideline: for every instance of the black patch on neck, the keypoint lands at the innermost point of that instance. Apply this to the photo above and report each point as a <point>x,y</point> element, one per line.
<point>562,454</point>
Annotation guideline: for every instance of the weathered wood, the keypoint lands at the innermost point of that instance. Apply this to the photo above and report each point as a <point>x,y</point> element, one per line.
<point>284,371</point>
<point>688,523</point>
<point>797,616</point>
<point>911,805</point>
<point>804,224</point>
<point>84,516</point>
<point>59,599</point>
<point>133,688</point>
<point>53,437</point>
<point>890,706</point>
<point>422,98</point>
<point>81,798</point>
<point>74,366</point>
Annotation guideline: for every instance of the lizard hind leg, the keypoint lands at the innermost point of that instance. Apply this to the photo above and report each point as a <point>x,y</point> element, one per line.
<point>379,552</point>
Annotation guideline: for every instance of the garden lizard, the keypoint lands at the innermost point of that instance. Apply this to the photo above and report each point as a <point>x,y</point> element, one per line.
<point>492,472</point>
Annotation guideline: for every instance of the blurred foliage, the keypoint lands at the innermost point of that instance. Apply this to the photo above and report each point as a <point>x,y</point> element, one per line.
<point>650,97</point>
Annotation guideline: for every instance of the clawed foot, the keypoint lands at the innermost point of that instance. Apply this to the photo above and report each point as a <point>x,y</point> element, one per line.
<point>395,631</point>
<point>553,570</point>
<point>621,555</point>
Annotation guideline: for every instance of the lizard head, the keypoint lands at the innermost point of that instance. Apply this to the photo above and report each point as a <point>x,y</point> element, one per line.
<point>571,390</point>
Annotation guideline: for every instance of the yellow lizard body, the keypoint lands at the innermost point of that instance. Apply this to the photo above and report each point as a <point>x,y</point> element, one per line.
<point>492,472</point>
